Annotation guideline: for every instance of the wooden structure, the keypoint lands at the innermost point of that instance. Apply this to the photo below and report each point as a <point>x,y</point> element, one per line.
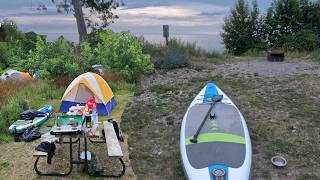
<point>111,140</point>
<point>166,33</point>
<point>114,148</point>
<point>2,34</point>
<point>276,56</point>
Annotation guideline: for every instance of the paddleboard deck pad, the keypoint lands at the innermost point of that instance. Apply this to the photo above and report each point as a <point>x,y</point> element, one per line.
<point>223,148</point>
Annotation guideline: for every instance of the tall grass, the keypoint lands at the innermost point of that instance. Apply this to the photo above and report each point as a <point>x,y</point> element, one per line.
<point>21,96</point>
<point>191,48</point>
<point>117,83</point>
<point>8,88</point>
<point>177,53</point>
<point>314,55</point>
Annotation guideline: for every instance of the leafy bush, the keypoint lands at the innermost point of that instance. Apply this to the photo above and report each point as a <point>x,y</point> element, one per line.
<point>55,59</point>
<point>29,41</point>
<point>5,55</point>
<point>122,54</point>
<point>87,57</point>
<point>304,40</point>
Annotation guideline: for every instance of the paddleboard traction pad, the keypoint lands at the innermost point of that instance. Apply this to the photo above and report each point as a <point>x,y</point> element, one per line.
<point>221,140</point>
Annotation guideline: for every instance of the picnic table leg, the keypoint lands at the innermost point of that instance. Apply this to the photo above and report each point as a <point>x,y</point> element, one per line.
<point>79,149</point>
<point>54,173</point>
<point>85,154</point>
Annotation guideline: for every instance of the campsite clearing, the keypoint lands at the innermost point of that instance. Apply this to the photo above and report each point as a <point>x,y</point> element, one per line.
<point>281,109</point>
<point>16,159</point>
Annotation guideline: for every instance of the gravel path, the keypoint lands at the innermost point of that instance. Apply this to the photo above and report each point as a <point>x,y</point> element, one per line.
<point>270,69</point>
<point>260,68</point>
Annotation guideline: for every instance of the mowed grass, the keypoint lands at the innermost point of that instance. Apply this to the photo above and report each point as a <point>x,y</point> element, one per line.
<point>16,161</point>
<point>282,115</point>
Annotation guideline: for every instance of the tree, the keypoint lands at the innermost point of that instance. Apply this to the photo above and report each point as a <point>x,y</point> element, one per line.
<point>306,13</point>
<point>242,28</point>
<point>256,29</point>
<point>5,54</point>
<point>304,40</point>
<point>314,17</point>
<point>283,18</point>
<point>29,41</point>
<point>97,9</point>
<point>11,30</point>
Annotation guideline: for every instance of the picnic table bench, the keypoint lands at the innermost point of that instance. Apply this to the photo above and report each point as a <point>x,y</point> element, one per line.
<point>114,148</point>
<point>110,138</point>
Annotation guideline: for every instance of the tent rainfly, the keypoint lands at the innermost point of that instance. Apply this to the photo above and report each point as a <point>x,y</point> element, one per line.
<point>86,86</point>
<point>16,75</point>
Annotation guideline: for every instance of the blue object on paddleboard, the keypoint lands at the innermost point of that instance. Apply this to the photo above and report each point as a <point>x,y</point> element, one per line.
<point>21,125</point>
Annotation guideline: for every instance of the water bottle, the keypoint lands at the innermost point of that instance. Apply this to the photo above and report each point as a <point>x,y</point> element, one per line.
<point>59,120</point>
<point>94,116</point>
<point>88,119</point>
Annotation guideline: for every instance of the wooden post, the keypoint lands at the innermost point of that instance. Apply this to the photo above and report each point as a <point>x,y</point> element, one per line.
<point>166,33</point>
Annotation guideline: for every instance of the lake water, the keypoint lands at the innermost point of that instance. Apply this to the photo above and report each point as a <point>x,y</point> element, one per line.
<point>193,21</point>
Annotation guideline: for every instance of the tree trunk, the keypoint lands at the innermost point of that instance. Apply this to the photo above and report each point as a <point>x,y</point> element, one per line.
<point>82,29</point>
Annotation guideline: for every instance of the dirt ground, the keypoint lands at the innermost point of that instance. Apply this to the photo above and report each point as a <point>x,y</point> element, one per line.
<point>280,101</point>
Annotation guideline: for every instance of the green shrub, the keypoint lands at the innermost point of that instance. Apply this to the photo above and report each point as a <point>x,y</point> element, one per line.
<point>56,59</point>
<point>9,112</point>
<point>87,57</point>
<point>4,56</point>
<point>122,54</point>
<point>304,40</point>
<point>29,41</point>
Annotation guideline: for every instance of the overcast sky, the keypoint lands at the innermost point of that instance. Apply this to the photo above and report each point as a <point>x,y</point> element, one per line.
<point>195,21</point>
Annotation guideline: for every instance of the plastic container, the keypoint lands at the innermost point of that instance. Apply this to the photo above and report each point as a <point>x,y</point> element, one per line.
<point>88,118</point>
<point>279,161</point>
<point>59,120</point>
<point>94,117</point>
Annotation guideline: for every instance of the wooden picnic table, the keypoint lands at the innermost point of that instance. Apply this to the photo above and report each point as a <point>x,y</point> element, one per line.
<point>94,136</point>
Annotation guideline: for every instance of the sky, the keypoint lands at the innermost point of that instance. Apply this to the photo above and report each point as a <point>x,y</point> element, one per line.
<point>190,20</point>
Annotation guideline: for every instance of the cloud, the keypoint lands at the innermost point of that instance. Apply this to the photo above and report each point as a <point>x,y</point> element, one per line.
<point>197,15</point>
<point>192,21</point>
<point>44,19</point>
<point>173,10</point>
<point>159,11</point>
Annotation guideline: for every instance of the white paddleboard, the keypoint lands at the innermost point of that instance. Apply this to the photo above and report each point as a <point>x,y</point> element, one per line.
<point>223,147</point>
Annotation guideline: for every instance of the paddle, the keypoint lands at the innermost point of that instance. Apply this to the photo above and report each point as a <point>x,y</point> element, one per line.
<point>214,100</point>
